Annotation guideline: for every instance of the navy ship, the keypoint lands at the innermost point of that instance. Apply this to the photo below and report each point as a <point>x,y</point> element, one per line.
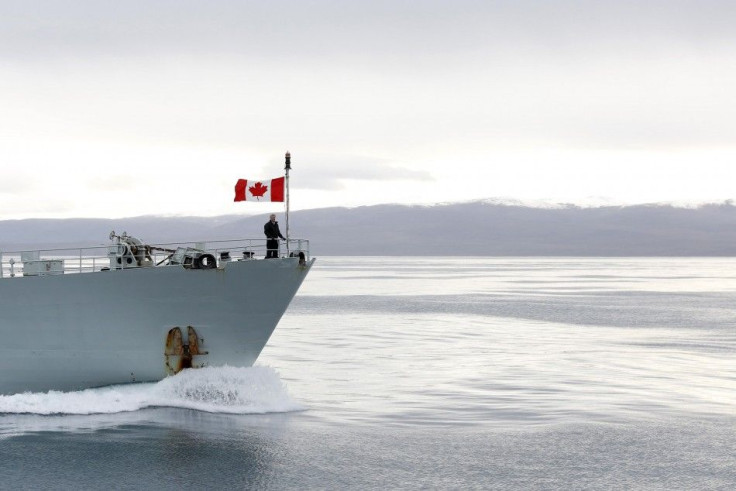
<point>138,312</point>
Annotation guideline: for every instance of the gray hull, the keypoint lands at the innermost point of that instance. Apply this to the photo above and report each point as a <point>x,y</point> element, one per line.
<point>75,331</point>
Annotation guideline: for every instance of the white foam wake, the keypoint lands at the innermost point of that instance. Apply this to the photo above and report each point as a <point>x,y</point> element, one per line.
<point>253,390</point>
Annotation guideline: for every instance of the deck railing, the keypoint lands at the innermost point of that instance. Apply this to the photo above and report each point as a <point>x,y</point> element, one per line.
<point>41,262</point>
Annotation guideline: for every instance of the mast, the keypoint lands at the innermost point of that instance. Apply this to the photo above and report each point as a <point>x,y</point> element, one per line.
<point>287,168</point>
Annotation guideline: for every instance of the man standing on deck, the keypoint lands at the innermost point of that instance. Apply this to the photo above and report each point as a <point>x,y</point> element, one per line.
<point>271,229</point>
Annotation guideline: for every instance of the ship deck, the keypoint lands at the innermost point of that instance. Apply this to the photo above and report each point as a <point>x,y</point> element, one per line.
<point>116,257</point>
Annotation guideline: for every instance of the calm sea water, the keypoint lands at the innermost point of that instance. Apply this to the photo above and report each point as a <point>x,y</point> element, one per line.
<point>451,373</point>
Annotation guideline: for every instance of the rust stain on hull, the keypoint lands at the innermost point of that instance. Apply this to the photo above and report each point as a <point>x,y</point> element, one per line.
<point>179,355</point>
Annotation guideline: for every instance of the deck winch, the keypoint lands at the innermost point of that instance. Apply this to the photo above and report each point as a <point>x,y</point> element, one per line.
<point>128,252</point>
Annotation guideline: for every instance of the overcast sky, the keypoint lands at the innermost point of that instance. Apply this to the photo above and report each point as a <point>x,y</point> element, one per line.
<point>125,108</point>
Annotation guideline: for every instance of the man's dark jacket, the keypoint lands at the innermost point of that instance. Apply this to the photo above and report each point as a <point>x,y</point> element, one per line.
<point>271,229</point>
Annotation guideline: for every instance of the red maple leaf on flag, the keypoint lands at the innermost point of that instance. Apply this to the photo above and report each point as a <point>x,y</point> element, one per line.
<point>258,190</point>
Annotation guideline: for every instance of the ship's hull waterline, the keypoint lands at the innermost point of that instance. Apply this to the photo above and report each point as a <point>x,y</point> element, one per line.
<point>76,331</point>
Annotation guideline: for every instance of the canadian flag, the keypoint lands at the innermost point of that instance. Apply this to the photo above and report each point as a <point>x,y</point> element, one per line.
<point>251,190</point>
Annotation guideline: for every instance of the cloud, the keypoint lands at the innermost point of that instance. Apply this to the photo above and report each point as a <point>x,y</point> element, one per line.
<point>39,205</point>
<point>578,73</point>
<point>113,183</point>
<point>380,29</point>
<point>16,183</point>
<point>329,172</point>
<point>368,96</point>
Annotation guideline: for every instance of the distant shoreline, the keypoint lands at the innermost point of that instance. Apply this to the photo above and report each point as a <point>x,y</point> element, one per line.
<point>472,229</point>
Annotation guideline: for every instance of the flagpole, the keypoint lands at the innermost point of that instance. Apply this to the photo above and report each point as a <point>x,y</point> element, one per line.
<point>287,168</point>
